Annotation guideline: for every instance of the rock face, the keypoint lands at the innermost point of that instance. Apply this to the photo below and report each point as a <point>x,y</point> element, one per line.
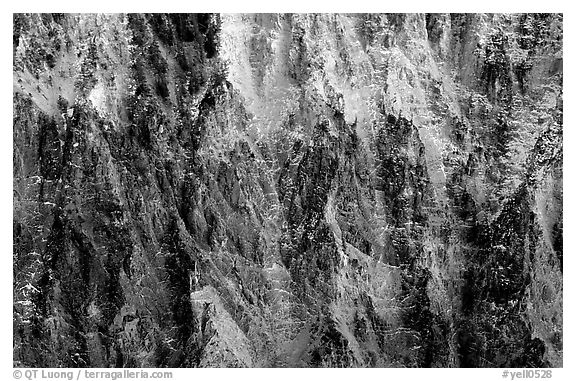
<point>287,190</point>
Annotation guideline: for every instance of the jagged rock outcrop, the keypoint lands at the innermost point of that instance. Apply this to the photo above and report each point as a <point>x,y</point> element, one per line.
<point>288,190</point>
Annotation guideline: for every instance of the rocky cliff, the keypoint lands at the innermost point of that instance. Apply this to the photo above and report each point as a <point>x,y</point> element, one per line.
<point>304,190</point>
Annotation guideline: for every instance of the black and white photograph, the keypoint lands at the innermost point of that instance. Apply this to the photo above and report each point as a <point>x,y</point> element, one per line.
<point>291,190</point>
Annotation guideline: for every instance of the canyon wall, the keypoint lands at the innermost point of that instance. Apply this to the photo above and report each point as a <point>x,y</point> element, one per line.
<point>302,190</point>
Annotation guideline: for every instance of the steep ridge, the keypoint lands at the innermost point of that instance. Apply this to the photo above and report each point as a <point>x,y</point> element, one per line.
<point>288,190</point>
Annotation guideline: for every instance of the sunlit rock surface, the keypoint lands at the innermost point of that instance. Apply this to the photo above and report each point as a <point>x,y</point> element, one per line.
<point>288,190</point>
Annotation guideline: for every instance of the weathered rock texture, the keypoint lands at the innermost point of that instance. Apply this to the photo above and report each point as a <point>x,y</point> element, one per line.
<point>288,190</point>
